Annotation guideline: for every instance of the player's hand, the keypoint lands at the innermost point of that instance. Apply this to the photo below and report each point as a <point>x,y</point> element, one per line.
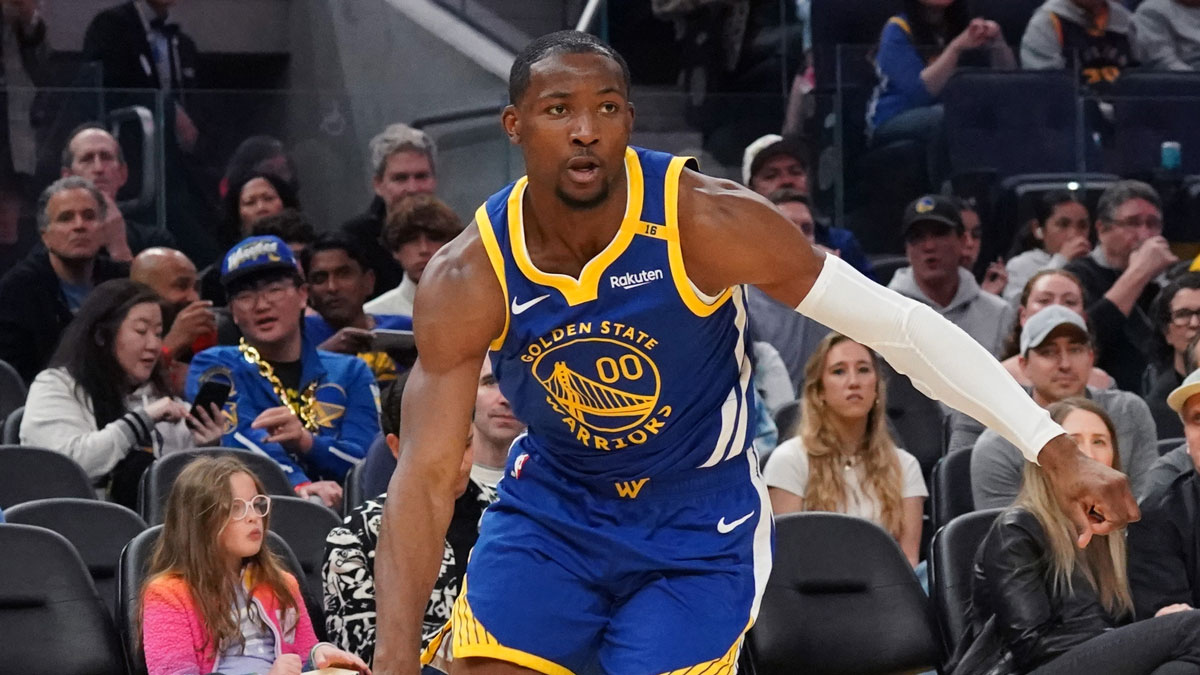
<point>208,426</point>
<point>329,492</point>
<point>284,428</point>
<point>287,664</point>
<point>1075,247</point>
<point>348,340</point>
<point>193,322</point>
<point>1095,497</point>
<point>328,656</point>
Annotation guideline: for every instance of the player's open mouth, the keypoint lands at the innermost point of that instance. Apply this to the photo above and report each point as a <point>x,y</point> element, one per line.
<point>582,169</point>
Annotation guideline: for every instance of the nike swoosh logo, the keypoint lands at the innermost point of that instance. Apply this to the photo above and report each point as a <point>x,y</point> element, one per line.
<point>643,283</point>
<point>519,307</point>
<point>725,528</point>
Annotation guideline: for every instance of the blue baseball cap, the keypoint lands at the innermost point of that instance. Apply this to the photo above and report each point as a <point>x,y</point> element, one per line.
<point>255,255</point>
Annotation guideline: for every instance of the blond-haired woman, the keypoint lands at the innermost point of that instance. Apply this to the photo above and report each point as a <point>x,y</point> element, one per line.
<point>1042,605</point>
<point>843,459</point>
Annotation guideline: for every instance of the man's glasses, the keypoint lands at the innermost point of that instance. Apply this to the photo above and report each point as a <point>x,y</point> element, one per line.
<point>1183,317</point>
<point>1151,222</point>
<point>272,292</point>
<point>260,505</point>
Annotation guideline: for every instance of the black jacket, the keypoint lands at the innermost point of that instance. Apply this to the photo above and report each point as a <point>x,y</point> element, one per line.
<point>33,311</point>
<point>365,228</point>
<point>1166,421</point>
<point>1016,618</point>
<point>1124,344</point>
<point>117,39</point>
<point>1164,549</point>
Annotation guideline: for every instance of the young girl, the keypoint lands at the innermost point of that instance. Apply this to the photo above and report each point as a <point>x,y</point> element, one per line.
<point>1042,605</point>
<point>216,599</point>
<point>1060,234</point>
<point>843,459</point>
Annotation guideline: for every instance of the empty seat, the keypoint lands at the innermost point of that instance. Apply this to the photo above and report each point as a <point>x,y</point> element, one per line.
<point>1150,107</point>
<point>304,526</point>
<point>158,479</point>
<point>841,598</point>
<point>51,618</point>
<point>10,427</point>
<point>847,22</point>
<point>950,571</point>
<point>12,390</point>
<point>950,488</point>
<point>28,473</point>
<point>352,489</point>
<point>98,531</point>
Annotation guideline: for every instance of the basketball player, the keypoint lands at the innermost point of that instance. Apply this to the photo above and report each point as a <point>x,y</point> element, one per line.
<point>633,532</point>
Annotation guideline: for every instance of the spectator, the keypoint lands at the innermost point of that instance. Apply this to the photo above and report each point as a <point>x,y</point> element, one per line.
<point>772,164</point>
<point>1097,38</point>
<point>380,463</point>
<point>214,598</point>
<point>313,412</point>
<point>23,57</point>
<point>94,154</point>
<point>104,400</point>
<point>995,276</point>
<point>1062,230</point>
<point>404,160</point>
<point>189,322</point>
<point>40,294</point>
<point>339,280</point>
<point>1042,604</point>
<point>844,460</point>
<point>1176,314</point>
<point>1178,459</point>
<point>1120,278</point>
<point>349,569</point>
<point>416,228</point>
<point>494,429</point>
<point>255,197</point>
<point>1169,31</point>
<point>933,231</point>
<point>919,50</point>
<point>1057,355</point>
<point>259,154</point>
<point>1164,564</point>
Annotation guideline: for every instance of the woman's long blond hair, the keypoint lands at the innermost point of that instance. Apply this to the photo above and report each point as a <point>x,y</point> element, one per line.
<point>187,548</point>
<point>1103,562</point>
<point>826,490</point>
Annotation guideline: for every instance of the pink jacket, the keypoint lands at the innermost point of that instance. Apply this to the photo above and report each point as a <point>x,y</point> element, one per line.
<point>174,633</point>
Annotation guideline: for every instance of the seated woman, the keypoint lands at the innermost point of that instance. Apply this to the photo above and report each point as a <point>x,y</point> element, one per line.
<point>1047,287</point>
<point>1041,604</point>
<point>104,400</point>
<point>215,599</point>
<point>1060,234</point>
<point>843,459</point>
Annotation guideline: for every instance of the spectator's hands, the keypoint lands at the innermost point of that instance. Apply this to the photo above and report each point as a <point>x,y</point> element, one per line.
<point>195,321</point>
<point>287,664</point>
<point>1075,247</point>
<point>329,492</point>
<point>284,428</point>
<point>208,426</point>
<point>328,656</point>
<point>1171,609</point>
<point>348,340</point>
<point>1095,497</point>
<point>1152,258</point>
<point>995,277</point>
<point>185,130</point>
<point>979,33</point>
<point>166,409</point>
<point>113,232</point>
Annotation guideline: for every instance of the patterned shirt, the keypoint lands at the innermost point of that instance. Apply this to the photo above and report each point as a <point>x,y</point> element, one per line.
<point>349,571</point>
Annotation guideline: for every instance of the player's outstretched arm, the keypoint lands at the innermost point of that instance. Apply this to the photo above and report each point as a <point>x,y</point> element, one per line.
<point>459,309</point>
<point>732,236</point>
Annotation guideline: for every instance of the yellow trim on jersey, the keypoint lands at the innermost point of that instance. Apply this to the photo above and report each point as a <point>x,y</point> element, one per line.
<point>583,289</point>
<point>470,639</point>
<point>488,236</point>
<point>722,665</point>
<point>698,305</point>
<point>901,23</point>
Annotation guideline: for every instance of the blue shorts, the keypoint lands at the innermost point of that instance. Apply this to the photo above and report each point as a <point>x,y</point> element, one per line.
<point>639,576</point>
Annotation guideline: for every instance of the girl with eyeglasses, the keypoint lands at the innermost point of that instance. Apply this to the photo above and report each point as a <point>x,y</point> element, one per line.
<point>216,599</point>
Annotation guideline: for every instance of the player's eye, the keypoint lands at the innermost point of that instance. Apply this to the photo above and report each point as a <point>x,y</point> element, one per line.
<point>557,109</point>
<point>609,107</point>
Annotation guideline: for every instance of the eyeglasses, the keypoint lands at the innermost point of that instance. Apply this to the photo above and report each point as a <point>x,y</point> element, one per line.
<point>272,293</point>
<point>1183,317</point>
<point>1151,222</point>
<point>260,505</point>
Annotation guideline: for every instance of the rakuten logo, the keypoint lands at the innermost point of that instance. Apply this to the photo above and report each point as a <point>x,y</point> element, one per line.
<point>635,279</point>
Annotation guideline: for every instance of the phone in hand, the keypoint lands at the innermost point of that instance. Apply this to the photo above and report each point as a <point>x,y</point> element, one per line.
<point>212,391</point>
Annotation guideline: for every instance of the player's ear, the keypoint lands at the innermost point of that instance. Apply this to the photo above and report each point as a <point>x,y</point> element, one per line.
<point>511,124</point>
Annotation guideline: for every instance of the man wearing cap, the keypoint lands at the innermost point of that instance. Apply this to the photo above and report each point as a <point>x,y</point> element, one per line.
<point>313,412</point>
<point>416,228</point>
<point>1164,549</point>
<point>1057,357</point>
<point>933,230</point>
<point>772,163</point>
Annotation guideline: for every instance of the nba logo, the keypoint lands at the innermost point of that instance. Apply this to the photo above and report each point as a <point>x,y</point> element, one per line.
<point>516,470</point>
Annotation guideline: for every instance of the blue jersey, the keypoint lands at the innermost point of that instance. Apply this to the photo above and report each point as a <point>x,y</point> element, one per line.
<point>628,371</point>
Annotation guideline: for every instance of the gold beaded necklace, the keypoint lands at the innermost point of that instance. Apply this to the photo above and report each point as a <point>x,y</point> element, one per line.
<point>305,409</point>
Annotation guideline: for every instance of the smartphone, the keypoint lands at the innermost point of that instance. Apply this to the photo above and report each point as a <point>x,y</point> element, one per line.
<point>212,391</point>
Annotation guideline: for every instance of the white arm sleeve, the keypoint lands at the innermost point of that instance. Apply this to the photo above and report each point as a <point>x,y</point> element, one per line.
<point>943,361</point>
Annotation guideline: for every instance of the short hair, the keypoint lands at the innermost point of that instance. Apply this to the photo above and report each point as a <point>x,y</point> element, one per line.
<point>1120,192</point>
<point>389,404</point>
<point>62,185</point>
<point>335,241</point>
<point>1160,311</point>
<point>789,196</point>
<point>398,138</point>
<point>68,157</point>
<point>417,214</point>
<point>1043,208</point>
<point>289,225</point>
<point>552,44</point>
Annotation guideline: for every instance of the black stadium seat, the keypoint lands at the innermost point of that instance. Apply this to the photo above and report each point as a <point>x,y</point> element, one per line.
<point>36,473</point>
<point>51,618</point>
<point>158,479</point>
<point>12,390</point>
<point>950,488</point>
<point>1150,107</point>
<point>841,598</point>
<point>304,526</point>
<point>950,571</point>
<point>352,489</point>
<point>98,531</point>
<point>10,426</point>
